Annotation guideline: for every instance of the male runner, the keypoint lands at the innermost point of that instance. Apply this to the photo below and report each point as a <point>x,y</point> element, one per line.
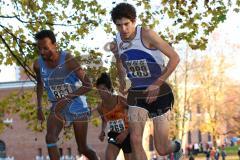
<point>58,72</point>
<point>139,53</point>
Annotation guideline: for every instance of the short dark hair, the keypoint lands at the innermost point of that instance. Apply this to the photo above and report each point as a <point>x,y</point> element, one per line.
<point>105,79</point>
<point>45,34</point>
<point>123,10</point>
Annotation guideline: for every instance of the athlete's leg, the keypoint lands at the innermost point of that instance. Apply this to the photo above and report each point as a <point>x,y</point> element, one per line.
<point>161,135</point>
<point>137,119</point>
<point>127,149</point>
<point>80,130</point>
<point>163,145</point>
<point>111,152</point>
<point>54,127</point>
<point>128,156</point>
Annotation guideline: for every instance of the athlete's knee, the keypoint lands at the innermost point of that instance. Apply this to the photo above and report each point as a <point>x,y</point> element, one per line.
<point>135,139</point>
<point>51,141</point>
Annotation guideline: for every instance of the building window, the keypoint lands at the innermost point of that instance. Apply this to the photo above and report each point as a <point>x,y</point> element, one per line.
<point>151,143</point>
<point>199,136</point>
<point>189,137</point>
<point>2,149</point>
<point>39,155</point>
<point>209,137</point>
<point>61,152</point>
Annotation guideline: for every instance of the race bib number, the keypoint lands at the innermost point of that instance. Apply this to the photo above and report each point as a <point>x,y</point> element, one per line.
<point>117,125</point>
<point>138,68</point>
<point>61,91</point>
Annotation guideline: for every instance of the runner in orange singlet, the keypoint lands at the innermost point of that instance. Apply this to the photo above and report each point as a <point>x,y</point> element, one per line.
<point>113,111</point>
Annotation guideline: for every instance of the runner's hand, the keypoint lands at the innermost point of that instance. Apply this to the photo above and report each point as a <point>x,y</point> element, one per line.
<point>113,47</point>
<point>61,103</point>
<point>101,136</point>
<point>152,93</point>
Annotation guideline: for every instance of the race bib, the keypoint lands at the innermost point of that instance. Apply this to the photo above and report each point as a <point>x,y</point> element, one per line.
<point>117,125</point>
<point>60,91</point>
<point>138,68</point>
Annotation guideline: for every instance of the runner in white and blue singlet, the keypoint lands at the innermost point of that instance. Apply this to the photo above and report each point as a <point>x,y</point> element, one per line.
<point>139,55</point>
<point>143,67</point>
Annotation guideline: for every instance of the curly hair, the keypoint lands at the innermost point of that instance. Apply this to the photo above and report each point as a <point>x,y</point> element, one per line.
<point>123,10</point>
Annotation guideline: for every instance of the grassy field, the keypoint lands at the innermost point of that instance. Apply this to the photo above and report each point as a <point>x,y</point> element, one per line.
<point>232,150</point>
<point>231,154</point>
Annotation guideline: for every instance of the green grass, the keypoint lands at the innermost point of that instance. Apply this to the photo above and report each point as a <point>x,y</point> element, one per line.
<point>229,150</point>
<point>227,158</point>
<point>232,150</point>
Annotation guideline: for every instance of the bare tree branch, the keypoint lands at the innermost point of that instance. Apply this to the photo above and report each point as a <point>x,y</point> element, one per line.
<point>9,32</point>
<point>52,24</point>
<point>1,16</point>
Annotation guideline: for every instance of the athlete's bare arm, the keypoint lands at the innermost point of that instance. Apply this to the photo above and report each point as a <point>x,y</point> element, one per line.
<point>104,124</point>
<point>39,84</point>
<point>39,91</point>
<point>152,39</point>
<point>120,69</point>
<point>73,65</point>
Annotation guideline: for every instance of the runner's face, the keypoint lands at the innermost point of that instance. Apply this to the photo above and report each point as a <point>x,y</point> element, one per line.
<point>103,91</point>
<point>46,48</point>
<point>126,28</point>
